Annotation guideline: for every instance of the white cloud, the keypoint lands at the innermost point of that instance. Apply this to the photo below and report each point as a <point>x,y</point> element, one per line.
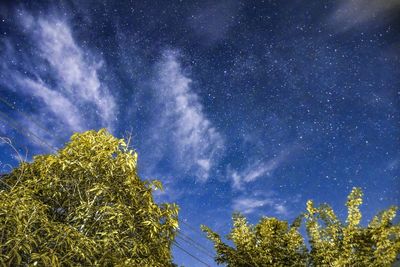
<point>351,13</point>
<point>281,209</point>
<point>171,192</point>
<point>259,169</point>
<point>247,205</point>
<point>236,179</point>
<point>57,72</point>
<point>78,76</point>
<point>205,164</point>
<point>55,102</point>
<point>196,141</point>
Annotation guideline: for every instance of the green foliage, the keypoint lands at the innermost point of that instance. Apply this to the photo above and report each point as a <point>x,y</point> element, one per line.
<point>269,243</point>
<point>84,206</point>
<point>332,243</point>
<point>349,244</point>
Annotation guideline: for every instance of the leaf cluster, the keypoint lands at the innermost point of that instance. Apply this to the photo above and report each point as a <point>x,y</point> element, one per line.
<point>84,206</point>
<point>272,242</point>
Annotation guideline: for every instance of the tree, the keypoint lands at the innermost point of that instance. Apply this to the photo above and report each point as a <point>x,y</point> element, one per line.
<point>349,244</point>
<point>269,243</point>
<point>86,206</point>
<point>332,243</point>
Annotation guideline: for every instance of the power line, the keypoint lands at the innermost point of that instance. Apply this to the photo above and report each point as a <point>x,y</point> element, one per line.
<point>203,248</point>
<point>190,254</point>
<point>191,227</point>
<point>4,117</point>
<point>197,245</point>
<point>197,231</point>
<point>194,247</point>
<point>30,118</point>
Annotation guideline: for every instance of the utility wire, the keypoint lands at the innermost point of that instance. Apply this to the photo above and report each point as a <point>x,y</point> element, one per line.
<point>198,246</point>
<point>194,241</point>
<point>191,227</point>
<point>4,117</point>
<point>190,254</point>
<point>197,231</point>
<point>193,246</point>
<point>30,118</point>
<point>24,114</point>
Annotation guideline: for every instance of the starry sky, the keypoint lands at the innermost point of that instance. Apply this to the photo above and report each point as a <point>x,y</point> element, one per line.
<point>250,106</point>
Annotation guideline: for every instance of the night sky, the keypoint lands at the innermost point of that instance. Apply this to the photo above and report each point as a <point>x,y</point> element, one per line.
<point>251,106</point>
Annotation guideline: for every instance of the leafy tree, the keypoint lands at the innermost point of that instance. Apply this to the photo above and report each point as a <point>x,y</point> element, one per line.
<point>84,206</point>
<point>332,243</point>
<point>349,244</point>
<point>269,243</point>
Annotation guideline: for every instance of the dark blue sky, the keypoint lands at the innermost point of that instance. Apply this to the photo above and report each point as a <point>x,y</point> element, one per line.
<point>251,106</point>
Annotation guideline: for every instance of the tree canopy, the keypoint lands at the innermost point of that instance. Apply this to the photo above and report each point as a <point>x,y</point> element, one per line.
<point>269,243</point>
<point>332,243</point>
<point>84,205</point>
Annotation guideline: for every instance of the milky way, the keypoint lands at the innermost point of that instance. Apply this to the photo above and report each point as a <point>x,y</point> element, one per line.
<point>250,106</point>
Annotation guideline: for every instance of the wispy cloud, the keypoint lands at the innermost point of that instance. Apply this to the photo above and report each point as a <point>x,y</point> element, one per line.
<point>349,14</point>
<point>259,169</point>
<point>197,143</point>
<point>77,75</point>
<point>60,76</point>
<point>56,102</point>
<point>248,205</point>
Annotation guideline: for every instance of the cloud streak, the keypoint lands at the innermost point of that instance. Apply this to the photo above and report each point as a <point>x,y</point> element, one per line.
<point>350,14</point>
<point>197,143</point>
<point>59,75</point>
<point>77,75</point>
<point>259,169</point>
<point>248,205</point>
<point>57,103</point>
